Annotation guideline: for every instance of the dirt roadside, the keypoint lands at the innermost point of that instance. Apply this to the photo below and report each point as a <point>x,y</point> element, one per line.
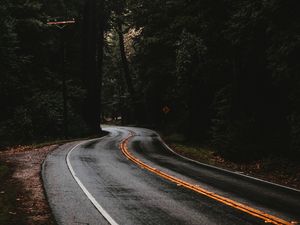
<point>28,204</point>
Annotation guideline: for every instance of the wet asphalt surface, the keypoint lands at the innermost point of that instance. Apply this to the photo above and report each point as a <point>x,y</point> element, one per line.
<point>132,195</point>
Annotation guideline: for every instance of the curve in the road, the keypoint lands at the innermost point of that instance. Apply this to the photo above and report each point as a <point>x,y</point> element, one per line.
<point>93,182</point>
<point>252,211</point>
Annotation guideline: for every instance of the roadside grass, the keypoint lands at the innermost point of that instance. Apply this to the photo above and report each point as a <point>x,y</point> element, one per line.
<point>40,144</point>
<point>64,141</point>
<point>284,171</point>
<point>194,152</point>
<point>8,198</point>
<point>191,150</point>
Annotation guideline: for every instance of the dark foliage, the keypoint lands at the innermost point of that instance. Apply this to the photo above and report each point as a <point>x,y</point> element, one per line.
<point>32,75</point>
<point>228,70</point>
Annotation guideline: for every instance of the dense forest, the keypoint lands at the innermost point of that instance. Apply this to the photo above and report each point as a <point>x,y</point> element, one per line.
<point>223,73</point>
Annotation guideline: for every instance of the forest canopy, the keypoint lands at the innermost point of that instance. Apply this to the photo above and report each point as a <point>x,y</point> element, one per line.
<point>227,70</point>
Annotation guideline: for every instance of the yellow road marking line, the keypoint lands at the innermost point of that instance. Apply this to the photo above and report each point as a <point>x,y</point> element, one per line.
<point>247,209</point>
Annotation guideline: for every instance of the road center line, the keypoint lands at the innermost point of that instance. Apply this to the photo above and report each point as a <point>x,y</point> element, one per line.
<point>247,209</point>
<point>84,189</point>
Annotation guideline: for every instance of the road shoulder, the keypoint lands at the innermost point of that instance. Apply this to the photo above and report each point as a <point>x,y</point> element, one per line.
<point>274,170</point>
<point>22,189</point>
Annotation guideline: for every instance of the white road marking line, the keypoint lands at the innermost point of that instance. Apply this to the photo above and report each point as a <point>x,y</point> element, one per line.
<point>84,189</point>
<point>225,200</point>
<point>211,166</point>
<point>225,170</point>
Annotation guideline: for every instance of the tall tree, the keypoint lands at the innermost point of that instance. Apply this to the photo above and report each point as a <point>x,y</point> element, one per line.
<point>93,31</point>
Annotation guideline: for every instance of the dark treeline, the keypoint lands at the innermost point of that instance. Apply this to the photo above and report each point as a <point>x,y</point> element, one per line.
<point>37,61</point>
<point>228,70</point>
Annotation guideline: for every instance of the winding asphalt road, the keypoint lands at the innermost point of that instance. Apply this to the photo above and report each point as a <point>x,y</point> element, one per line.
<point>131,177</point>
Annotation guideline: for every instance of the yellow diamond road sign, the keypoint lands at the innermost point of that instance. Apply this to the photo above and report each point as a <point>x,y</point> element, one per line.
<point>166,109</point>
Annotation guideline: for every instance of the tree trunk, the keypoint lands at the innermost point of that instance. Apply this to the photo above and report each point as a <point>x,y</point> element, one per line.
<point>92,65</point>
<point>100,51</point>
<point>64,85</point>
<point>136,114</point>
<point>124,60</point>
